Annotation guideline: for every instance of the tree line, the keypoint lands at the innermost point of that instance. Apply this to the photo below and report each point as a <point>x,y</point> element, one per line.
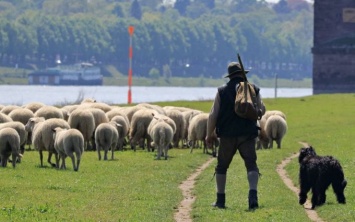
<point>192,41</point>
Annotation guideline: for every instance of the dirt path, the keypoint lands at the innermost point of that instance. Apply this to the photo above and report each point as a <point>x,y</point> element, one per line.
<point>312,214</point>
<point>183,212</point>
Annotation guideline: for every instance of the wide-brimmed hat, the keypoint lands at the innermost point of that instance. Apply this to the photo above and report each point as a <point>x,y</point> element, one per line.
<point>234,68</point>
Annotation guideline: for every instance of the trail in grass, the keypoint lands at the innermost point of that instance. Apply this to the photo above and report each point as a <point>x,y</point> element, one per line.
<point>312,214</point>
<point>185,206</point>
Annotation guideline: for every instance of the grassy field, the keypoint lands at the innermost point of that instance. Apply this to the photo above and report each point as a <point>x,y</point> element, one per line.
<point>135,187</point>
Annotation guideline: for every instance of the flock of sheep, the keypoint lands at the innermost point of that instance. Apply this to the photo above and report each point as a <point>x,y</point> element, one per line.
<point>72,129</point>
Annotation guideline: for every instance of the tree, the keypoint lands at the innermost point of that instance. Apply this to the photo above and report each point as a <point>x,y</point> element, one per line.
<point>281,7</point>
<point>181,6</point>
<point>118,11</point>
<point>136,11</point>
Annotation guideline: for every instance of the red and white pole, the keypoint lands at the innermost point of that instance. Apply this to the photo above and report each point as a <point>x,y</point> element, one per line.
<point>130,56</point>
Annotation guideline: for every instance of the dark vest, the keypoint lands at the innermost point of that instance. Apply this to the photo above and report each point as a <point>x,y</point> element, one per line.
<point>229,124</point>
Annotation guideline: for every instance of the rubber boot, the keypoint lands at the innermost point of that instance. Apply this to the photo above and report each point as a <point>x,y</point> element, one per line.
<point>221,200</point>
<point>253,199</point>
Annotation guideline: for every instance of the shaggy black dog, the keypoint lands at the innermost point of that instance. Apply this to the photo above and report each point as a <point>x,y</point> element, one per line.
<point>318,172</point>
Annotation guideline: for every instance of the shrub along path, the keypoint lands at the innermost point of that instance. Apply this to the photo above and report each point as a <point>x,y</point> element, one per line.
<point>312,214</point>
<point>184,209</point>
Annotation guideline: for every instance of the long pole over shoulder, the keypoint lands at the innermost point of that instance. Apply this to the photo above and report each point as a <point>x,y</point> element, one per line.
<point>130,56</point>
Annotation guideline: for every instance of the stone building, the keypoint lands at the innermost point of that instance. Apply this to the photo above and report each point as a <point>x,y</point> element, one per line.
<point>334,46</point>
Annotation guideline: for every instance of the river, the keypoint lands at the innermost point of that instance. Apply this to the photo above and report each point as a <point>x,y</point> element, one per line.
<point>60,95</point>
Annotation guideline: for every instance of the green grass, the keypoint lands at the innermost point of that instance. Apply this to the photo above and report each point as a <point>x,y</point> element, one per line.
<point>135,187</point>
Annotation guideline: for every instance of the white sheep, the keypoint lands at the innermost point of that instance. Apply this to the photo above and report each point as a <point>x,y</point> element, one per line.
<point>42,135</point>
<point>162,135</point>
<point>22,115</point>
<point>139,125</point>
<point>33,106</point>
<point>90,103</point>
<point>67,142</point>
<point>9,145</point>
<point>197,130</point>
<point>275,129</point>
<point>4,118</point>
<point>84,121</point>
<point>7,109</point>
<point>157,108</point>
<point>179,120</point>
<point>106,137</point>
<point>49,112</point>
<point>274,112</point>
<point>20,129</point>
<point>188,115</point>
<point>123,131</point>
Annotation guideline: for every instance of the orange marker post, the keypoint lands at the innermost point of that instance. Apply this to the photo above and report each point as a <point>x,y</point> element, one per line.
<point>130,56</point>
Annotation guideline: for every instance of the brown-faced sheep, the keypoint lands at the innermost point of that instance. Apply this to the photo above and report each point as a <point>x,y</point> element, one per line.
<point>275,129</point>
<point>42,135</point>
<point>49,112</point>
<point>9,145</point>
<point>162,135</point>
<point>106,137</point>
<point>67,142</point>
<point>84,121</point>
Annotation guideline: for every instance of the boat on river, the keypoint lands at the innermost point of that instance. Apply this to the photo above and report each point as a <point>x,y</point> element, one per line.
<point>77,74</point>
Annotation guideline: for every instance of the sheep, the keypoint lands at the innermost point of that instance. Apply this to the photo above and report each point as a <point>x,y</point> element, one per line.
<point>22,115</point>
<point>123,131</point>
<point>20,129</point>
<point>157,108</point>
<point>9,145</point>
<point>42,138</point>
<point>89,103</point>
<point>179,120</point>
<point>188,115</point>
<point>7,109</point>
<point>274,112</point>
<point>117,111</point>
<point>262,139</point>
<point>49,112</point>
<point>162,135</point>
<point>4,118</point>
<point>139,125</point>
<point>1,106</point>
<point>130,110</point>
<point>106,137</point>
<point>84,121</point>
<point>33,106</point>
<point>66,143</point>
<point>197,130</point>
<point>275,129</point>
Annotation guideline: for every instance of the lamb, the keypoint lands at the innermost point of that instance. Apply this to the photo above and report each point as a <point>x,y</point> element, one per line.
<point>179,120</point>
<point>4,118</point>
<point>42,135</point>
<point>197,130</point>
<point>20,129</point>
<point>106,137</point>
<point>49,112</point>
<point>84,121</point>
<point>275,129</point>
<point>123,131</point>
<point>139,125</point>
<point>162,135</point>
<point>66,143</point>
<point>9,145</point>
